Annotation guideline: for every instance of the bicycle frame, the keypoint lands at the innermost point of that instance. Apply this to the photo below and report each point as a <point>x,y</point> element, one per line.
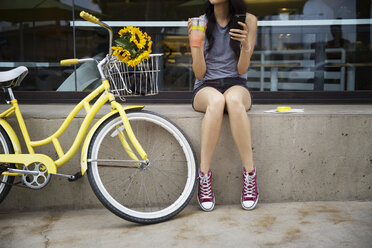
<point>91,111</point>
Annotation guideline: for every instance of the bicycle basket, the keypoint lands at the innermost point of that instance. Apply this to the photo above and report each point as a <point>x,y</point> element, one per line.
<point>133,81</point>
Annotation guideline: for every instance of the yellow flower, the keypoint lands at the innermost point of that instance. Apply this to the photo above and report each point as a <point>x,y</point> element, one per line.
<point>116,50</point>
<point>131,63</point>
<point>149,47</point>
<point>127,52</point>
<point>145,55</point>
<point>142,43</point>
<point>142,49</point>
<point>121,53</point>
<point>124,55</point>
<point>123,31</point>
<point>133,38</point>
<point>138,38</point>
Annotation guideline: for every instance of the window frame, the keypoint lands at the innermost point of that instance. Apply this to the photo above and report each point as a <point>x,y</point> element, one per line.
<point>259,97</point>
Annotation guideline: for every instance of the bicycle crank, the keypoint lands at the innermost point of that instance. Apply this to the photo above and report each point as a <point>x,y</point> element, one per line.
<point>35,176</point>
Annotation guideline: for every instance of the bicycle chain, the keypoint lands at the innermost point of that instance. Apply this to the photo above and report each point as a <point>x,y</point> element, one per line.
<point>15,184</point>
<point>4,168</point>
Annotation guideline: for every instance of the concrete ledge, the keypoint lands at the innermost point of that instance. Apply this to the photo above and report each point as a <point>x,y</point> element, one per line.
<point>323,154</point>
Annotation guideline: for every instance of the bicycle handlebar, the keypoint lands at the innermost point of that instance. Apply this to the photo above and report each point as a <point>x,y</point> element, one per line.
<point>88,17</point>
<point>69,62</point>
<point>76,61</point>
<point>91,18</point>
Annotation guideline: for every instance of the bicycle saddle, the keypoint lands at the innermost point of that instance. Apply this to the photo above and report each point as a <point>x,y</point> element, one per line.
<point>13,78</point>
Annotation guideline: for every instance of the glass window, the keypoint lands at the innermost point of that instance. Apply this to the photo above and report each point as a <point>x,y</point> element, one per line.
<point>302,45</point>
<point>319,45</point>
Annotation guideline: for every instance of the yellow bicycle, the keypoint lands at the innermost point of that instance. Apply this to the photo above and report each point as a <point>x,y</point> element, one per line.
<point>140,165</point>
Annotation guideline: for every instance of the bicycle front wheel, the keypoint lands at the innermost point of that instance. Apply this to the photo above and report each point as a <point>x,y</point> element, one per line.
<point>138,191</point>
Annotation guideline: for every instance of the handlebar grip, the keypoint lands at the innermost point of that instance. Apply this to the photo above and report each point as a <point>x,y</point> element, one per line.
<point>88,17</point>
<point>69,61</point>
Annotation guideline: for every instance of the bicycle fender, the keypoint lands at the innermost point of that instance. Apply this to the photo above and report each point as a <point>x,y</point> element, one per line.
<point>12,135</point>
<point>84,150</point>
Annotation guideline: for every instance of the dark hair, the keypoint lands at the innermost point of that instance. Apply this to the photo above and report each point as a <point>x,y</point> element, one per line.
<point>235,7</point>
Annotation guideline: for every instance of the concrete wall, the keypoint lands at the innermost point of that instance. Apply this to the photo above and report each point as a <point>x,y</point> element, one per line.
<point>324,153</point>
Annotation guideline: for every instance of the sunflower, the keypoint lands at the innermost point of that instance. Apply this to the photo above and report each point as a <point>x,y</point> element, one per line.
<point>133,46</point>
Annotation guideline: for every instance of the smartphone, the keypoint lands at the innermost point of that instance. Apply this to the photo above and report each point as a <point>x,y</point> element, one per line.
<point>238,18</point>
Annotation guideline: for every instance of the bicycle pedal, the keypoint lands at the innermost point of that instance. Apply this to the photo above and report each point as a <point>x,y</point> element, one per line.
<point>77,176</point>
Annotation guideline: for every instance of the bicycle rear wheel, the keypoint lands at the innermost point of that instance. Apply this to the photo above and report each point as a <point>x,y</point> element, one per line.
<point>6,147</point>
<point>141,192</point>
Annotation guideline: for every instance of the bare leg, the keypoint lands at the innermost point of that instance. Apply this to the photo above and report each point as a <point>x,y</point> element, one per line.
<point>212,102</point>
<point>238,101</point>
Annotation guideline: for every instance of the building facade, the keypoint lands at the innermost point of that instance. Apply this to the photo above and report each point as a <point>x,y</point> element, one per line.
<point>305,49</point>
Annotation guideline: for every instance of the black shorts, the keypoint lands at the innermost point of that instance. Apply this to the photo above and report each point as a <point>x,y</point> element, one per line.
<point>222,85</point>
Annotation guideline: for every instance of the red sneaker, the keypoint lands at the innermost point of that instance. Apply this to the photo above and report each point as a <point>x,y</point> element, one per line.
<point>250,190</point>
<point>205,192</point>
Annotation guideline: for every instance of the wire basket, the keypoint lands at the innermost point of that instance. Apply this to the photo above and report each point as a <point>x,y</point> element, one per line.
<point>141,80</point>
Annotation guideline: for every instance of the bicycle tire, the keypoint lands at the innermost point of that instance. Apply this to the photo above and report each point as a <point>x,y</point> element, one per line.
<point>6,147</point>
<point>126,192</point>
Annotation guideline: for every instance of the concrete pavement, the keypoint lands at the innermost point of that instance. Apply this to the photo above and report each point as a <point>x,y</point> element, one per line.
<point>308,224</point>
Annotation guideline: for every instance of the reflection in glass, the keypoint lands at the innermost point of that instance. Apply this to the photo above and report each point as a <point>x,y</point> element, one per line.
<point>301,44</point>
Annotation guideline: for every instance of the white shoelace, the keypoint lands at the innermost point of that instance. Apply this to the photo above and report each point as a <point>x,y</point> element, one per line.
<point>205,188</point>
<point>249,186</point>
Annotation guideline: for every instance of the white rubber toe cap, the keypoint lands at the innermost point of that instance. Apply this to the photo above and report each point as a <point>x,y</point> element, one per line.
<point>207,206</point>
<point>247,204</point>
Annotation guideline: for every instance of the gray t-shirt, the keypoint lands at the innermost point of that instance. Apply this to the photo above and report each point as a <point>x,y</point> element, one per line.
<point>221,61</point>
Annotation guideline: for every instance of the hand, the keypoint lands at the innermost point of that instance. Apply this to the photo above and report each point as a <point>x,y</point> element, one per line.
<point>189,26</point>
<point>241,35</point>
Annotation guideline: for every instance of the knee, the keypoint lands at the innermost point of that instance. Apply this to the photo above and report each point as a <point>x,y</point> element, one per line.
<point>216,104</point>
<point>234,104</point>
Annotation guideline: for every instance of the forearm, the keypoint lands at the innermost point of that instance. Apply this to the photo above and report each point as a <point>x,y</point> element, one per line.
<point>244,59</point>
<point>247,39</point>
<point>198,62</point>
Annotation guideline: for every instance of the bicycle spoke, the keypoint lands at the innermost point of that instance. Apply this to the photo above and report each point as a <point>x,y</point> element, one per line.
<point>173,171</point>
<point>159,155</point>
<point>172,161</point>
<point>110,140</point>
<point>156,145</point>
<point>156,190</point>
<point>164,192</point>
<point>131,181</point>
<point>146,193</point>
<point>109,148</point>
<point>139,192</point>
<point>166,197</point>
<point>169,179</point>
<point>162,149</point>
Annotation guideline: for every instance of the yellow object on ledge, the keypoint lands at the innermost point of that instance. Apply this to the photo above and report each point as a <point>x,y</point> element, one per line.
<point>283,108</point>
